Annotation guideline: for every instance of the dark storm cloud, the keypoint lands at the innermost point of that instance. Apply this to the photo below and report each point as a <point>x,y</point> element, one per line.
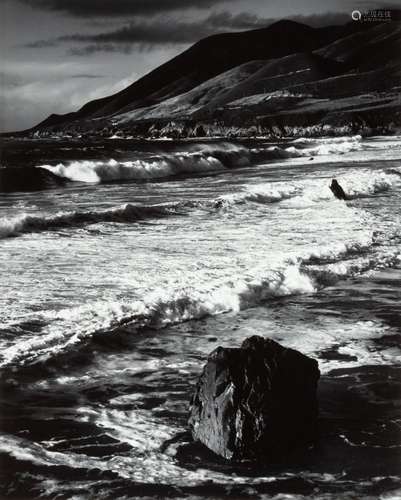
<point>102,8</point>
<point>157,32</point>
<point>170,31</point>
<point>87,76</point>
<point>88,50</point>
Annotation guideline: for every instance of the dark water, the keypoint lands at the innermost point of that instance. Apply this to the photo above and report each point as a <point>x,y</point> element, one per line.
<point>121,276</point>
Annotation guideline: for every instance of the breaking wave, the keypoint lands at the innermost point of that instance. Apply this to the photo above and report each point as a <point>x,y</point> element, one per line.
<point>72,327</point>
<point>27,223</point>
<point>199,159</point>
<point>156,167</point>
<point>368,183</point>
<point>266,193</point>
<point>394,171</point>
<point>356,185</point>
<point>306,147</point>
<point>328,140</point>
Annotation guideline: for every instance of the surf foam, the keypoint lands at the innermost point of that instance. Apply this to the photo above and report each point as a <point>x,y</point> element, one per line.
<point>27,223</point>
<point>69,327</point>
<point>208,159</point>
<point>265,193</point>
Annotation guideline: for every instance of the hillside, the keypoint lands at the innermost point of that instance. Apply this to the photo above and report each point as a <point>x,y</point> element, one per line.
<point>206,59</point>
<point>247,78</point>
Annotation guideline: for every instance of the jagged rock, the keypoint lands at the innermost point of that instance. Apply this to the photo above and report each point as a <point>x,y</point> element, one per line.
<point>337,190</point>
<point>256,402</point>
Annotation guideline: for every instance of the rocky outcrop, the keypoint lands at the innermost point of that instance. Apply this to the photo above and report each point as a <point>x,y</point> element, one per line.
<point>337,190</point>
<point>256,402</point>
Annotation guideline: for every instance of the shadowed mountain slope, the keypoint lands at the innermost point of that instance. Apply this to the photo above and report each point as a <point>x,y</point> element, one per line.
<point>206,59</point>
<point>367,49</point>
<point>245,80</point>
<point>285,74</point>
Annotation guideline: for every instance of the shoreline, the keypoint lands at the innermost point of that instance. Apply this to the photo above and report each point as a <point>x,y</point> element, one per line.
<point>109,418</point>
<point>174,131</point>
<point>358,452</point>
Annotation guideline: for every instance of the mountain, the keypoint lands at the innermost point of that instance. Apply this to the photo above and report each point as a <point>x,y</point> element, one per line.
<point>239,77</point>
<point>206,59</point>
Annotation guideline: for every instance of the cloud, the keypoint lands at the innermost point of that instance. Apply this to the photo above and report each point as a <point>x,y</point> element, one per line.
<point>88,50</point>
<point>41,44</point>
<point>10,80</point>
<point>87,76</point>
<point>147,34</point>
<point>105,8</point>
<point>24,104</point>
<point>173,31</point>
<point>34,88</point>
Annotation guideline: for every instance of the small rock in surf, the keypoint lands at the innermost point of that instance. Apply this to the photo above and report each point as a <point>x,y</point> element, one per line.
<point>337,190</point>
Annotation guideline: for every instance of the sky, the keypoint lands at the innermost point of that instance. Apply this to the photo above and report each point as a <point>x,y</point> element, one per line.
<point>56,55</point>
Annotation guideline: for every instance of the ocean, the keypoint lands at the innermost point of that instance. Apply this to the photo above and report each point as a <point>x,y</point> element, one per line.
<point>141,257</point>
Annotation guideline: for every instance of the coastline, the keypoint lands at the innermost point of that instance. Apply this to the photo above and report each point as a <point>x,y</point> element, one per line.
<point>200,233</point>
<point>358,452</point>
<point>297,116</point>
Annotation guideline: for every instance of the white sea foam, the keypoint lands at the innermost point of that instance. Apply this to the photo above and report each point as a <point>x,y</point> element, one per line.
<point>332,148</point>
<point>97,171</point>
<point>23,449</point>
<point>299,272</point>
<point>323,147</point>
<point>27,223</point>
<point>306,147</point>
<point>208,159</point>
<point>340,250</point>
<point>296,193</point>
<point>328,140</point>
<point>310,255</point>
<point>356,184</point>
<point>262,193</point>
<point>72,326</point>
<point>367,183</point>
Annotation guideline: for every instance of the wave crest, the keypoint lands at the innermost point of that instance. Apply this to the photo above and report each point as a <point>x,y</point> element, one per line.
<point>27,223</point>
<point>262,193</point>
<point>365,184</point>
<point>208,159</point>
<point>296,275</point>
<point>70,327</point>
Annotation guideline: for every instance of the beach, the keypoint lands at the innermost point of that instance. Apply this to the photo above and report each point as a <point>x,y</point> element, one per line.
<point>137,258</point>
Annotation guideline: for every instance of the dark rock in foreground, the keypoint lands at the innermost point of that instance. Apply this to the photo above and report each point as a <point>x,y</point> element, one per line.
<point>256,402</point>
